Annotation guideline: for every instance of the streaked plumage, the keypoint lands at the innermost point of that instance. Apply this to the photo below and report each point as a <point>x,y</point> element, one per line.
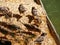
<point>34,11</point>
<point>21,8</point>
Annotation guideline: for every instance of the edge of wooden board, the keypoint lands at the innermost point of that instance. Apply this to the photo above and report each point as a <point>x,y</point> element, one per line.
<point>51,26</point>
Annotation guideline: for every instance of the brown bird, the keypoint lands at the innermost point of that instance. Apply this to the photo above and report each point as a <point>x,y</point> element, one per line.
<point>21,8</point>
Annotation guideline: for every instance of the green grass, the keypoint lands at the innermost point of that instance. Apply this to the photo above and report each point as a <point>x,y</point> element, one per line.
<point>53,10</point>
